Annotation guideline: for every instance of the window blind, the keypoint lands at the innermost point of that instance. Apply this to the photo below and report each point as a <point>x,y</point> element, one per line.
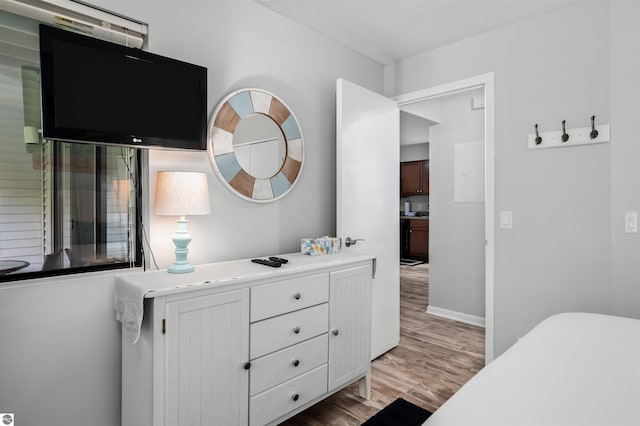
<point>21,219</point>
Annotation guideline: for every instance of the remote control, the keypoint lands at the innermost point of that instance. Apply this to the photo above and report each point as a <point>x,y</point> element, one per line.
<point>278,259</point>
<point>267,262</point>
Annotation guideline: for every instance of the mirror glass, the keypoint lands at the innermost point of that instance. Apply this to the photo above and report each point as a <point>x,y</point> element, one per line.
<point>259,145</point>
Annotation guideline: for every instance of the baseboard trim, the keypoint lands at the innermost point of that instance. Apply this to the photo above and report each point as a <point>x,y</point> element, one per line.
<point>456,316</point>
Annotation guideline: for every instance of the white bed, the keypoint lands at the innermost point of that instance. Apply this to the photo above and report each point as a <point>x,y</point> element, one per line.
<point>572,369</point>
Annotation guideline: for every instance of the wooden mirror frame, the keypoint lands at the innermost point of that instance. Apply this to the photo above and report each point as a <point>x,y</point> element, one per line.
<point>222,125</point>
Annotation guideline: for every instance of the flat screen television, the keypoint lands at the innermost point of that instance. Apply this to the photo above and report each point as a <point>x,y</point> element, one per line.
<point>100,92</point>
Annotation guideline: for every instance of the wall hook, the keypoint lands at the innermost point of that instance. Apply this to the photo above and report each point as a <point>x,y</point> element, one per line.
<point>594,132</point>
<point>538,138</point>
<point>565,135</point>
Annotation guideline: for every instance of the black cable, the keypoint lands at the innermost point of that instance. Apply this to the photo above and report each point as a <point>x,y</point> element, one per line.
<point>144,238</point>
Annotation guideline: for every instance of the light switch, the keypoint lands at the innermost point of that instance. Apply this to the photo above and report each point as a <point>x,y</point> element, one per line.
<point>631,222</point>
<point>506,220</point>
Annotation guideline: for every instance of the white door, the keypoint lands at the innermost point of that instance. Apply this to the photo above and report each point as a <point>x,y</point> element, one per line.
<point>368,197</point>
<point>349,325</point>
<point>207,346</point>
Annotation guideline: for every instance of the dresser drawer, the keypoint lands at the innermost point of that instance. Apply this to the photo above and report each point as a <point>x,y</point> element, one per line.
<point>268,406</point>
<point>276,333</point>
<point>278,367</point>
<point>281,297</point>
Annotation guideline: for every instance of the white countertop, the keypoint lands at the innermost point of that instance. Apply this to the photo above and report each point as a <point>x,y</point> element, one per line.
<point>133,287</point>
<point>160,283</point>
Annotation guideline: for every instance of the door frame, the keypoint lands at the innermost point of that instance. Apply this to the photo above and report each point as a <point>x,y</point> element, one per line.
<point>485,81</point>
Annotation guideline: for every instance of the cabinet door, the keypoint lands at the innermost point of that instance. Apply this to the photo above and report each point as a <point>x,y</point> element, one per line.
<point>424,183</point>
<point>419,238</point>
<point>410,175</point>
<point>349,325</point>
<point>207,344</point>
<point>426,250</point>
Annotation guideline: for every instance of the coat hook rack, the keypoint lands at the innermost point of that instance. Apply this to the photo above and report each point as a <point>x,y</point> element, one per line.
<point>569,137</point>
<point>565,135</point>
<point>594,132</point>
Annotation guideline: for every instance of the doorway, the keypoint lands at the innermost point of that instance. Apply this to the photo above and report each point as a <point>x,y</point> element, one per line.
<point>484,84</point>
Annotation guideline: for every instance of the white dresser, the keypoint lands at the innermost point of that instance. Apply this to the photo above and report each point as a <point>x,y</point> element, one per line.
<point>237,343</point>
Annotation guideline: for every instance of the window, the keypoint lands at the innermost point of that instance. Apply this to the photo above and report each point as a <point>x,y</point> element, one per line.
<point>64,207</point>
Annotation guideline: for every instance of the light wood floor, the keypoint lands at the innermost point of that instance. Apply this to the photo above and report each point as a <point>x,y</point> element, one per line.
<point>434,358</point>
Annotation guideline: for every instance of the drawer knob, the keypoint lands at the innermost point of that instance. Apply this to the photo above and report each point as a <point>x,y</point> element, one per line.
<point>295,362</point>
<point>335,332</point>
<point>247,365</point>
<point>296,330</point>
<point>295,397</point>
<point>296,296</point>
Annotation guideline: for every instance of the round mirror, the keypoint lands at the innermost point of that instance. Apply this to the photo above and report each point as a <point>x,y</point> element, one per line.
<point>255,145</point>
<point>259,146</point>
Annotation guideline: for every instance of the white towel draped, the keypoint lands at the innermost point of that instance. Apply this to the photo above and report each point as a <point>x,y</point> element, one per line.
<point>129,302</point>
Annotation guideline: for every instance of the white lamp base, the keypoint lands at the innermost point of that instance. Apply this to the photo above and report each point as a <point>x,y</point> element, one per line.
<point>181,239</point>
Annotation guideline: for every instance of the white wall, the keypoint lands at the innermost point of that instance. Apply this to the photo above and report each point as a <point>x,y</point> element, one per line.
<point>553,67</point>
<point>246,45</point>
<point>60,362</point>
<point>415,152</point>
<point>625,152</point>
<point>456,230</point>
<point>413,129</point>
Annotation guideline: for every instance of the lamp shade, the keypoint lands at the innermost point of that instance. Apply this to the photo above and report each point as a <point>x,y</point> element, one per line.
<point>181,194</point>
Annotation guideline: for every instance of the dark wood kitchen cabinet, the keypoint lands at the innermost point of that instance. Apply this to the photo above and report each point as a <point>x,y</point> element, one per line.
<point>419,239</point>
<point>414,178</point>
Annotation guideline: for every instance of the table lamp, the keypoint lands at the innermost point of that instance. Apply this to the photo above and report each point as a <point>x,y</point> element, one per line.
<point>181,194</point>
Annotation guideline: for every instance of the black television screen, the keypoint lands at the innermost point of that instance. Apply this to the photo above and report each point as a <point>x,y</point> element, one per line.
<point>100,92</point>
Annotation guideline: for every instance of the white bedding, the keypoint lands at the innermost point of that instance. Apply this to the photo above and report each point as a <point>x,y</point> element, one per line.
<point>572,369</point>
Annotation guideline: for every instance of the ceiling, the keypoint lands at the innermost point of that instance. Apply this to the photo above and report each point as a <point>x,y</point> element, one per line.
<point>390,30</point>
